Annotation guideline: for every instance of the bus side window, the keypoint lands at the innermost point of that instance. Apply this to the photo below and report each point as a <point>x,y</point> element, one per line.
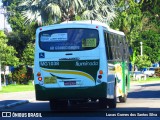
<point>125,49</point>
<point>108,46</point>
<point>114,42</point>
<point>110,40</point>
<point>121,47</point>
<point>116,47</point>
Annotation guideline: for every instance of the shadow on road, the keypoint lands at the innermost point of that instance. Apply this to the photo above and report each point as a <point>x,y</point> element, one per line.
<point>146,91</point>
<point>145,94</point>
<point>6,102</point>
<point>150,85</point>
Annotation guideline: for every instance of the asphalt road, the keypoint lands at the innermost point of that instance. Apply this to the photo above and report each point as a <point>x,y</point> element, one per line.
<point>143,100</point>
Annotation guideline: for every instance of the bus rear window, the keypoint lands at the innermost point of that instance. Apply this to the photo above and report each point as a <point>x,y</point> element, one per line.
<point>68,39</point>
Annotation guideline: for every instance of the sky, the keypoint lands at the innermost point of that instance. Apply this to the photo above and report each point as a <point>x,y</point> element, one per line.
<point>2,19</point>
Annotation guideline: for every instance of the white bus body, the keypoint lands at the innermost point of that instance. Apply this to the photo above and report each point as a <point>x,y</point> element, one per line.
<point>71,64</point>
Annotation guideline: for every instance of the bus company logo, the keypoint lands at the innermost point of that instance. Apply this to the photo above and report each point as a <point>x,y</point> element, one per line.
<point>6,114</point>
<point>87,63</point>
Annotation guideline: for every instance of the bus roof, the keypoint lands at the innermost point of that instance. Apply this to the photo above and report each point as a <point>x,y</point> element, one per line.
<point>89,22</point>
<point>94,23</point>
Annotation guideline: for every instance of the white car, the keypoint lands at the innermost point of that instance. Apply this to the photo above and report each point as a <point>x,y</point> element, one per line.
<point>150,71</point>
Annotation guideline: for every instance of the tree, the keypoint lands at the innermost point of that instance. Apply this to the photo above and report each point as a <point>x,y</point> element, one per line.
<point>151,44</point>
<point>151,16</point>
<point>129,19</point>
<point>49,11</point>
<point>56,11</point>
<point>140,22</point>
<point>142,61</point>
<point>101,10</point>
<point>7,54</point>
<point>28,54</point>
<point>21,34</point>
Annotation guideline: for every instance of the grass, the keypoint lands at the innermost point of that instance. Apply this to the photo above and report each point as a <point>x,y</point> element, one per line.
<point>148,80</point>
<point>17,88</point>
<point>30,87</point>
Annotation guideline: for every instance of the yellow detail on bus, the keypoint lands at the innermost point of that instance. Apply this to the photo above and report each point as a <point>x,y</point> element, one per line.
<point>70,72</point>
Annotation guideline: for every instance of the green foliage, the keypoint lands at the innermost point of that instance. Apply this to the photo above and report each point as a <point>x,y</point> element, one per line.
<point>7,53</point>
<point>28,55</point>
<point>22,34</point>
<point>101,10</point>
<point>157,72</point>
<point>151,45</point>
<point>47,12</point>
<point>133,57</point>
<point>140,22</point>
<point>129,19</point>
<point>142,61</point>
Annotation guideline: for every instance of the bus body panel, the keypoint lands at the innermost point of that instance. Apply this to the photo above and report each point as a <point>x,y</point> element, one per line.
<point>92,92</point>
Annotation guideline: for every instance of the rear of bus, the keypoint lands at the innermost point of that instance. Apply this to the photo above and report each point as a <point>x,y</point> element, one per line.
<point>70,62</point>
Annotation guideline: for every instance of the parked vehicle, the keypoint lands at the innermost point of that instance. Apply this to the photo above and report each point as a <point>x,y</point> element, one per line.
<point>150,71</point>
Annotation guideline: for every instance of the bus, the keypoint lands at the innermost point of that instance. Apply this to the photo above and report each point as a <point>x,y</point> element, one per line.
<point>81,62</point>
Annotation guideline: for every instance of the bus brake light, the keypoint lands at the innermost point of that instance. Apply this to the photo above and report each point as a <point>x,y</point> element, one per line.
<point>40,78</point>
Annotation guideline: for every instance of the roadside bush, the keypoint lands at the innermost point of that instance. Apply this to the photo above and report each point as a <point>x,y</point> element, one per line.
<point>29,73</point>
<point>19,75</point>
<point>157,72</point>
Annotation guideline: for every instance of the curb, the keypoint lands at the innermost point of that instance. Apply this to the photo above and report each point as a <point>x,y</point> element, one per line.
<point>14,104</point>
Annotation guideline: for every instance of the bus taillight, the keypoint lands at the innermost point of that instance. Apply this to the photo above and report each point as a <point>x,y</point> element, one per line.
<point>40,78</point>
<point>38,74</point>
<point>100,72</point>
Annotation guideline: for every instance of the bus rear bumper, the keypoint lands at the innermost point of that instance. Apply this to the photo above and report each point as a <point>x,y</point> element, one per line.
<point>98,91</point>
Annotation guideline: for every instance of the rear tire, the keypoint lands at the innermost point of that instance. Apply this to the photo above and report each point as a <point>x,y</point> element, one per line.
<point>60,105</point>
<point>123,99</point>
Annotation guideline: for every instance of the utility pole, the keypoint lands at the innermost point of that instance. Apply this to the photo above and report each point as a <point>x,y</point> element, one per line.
<point>1,12</point>
<point>4,12</point>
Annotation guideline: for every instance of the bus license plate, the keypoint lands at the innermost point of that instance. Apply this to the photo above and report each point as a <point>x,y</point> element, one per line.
<point>69,83</point>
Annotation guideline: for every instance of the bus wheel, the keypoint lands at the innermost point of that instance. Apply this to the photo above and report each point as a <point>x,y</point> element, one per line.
<point>58,105</point>
<point>112,103</point>
<point>123,99</point>
<point>103,103</point>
